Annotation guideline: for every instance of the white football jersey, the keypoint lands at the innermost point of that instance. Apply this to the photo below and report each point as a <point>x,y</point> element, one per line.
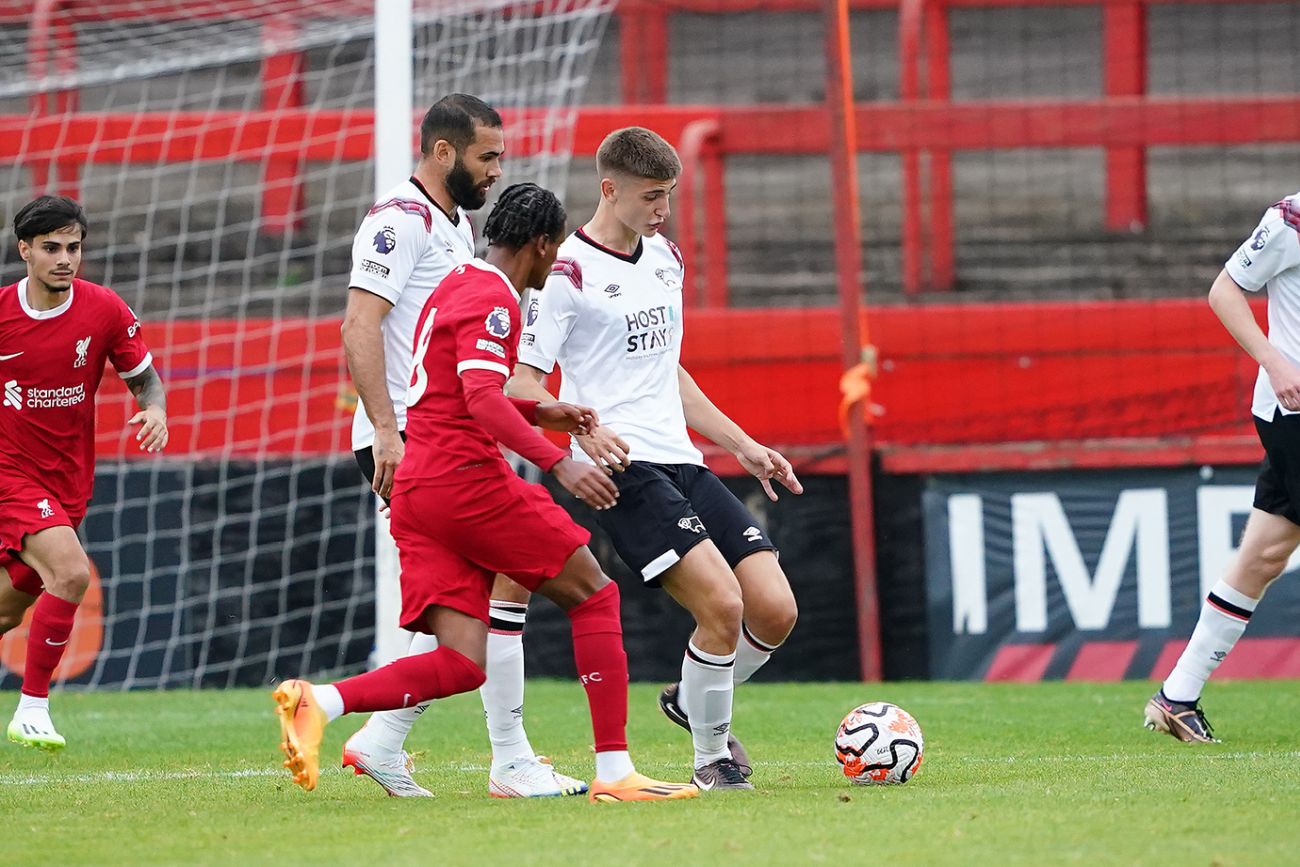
<point>405,246</point>
<point>613,323</point>
<point>1270,257</point>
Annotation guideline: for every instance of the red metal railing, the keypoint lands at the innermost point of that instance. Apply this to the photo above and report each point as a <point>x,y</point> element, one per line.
<point>1117,122</point>
<point>923,39</point>
<point>961,387</point>
<point>923,125</point>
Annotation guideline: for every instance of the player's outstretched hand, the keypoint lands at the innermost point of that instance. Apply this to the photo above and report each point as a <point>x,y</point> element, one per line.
<point>766,464</point>
<point>586,483</point>
<point>389,450</point>
<point>606,448</point>
<point>566,417</point>
<point>152,435</point>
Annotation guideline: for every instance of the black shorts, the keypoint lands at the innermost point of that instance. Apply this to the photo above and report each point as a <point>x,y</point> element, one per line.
<point>1277,490</point>
<point>665,510</point>
<point>366,460</point>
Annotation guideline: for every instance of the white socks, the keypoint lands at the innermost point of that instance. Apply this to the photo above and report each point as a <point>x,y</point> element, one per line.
<point>503,691</point>
<point>1224,616</point>
<point>705,697</point>
<point>329,700</point>
<point>613,766</point>
<point>751,655</point>
<point>388,729</point>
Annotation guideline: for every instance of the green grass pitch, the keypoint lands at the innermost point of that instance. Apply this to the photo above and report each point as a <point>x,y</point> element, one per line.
<point>1040,774</point>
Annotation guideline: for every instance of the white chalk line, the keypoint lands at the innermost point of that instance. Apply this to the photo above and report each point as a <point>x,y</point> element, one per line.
<point>148,776</point>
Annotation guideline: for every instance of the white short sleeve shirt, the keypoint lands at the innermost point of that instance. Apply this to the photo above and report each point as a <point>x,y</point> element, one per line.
<point>613,324</point>
<point>406,245</point>
<point>1270,258</point>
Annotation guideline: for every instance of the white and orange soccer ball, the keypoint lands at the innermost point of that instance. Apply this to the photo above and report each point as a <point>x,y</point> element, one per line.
<point>879,744</point>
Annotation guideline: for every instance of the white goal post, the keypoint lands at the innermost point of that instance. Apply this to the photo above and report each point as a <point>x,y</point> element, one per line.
<point>225,151</point>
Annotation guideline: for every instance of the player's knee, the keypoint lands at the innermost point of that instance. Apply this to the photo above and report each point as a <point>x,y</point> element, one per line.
<point>722,612</point>
<point>69,581</point>
<point>773,622</point>
<point>1270,563</point>
<point>581,579</point>
<point>465,674</point>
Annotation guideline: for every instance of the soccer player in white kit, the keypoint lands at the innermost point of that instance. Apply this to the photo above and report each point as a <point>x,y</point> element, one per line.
<point>412,237</point>
<point>610,316</point>
<point>1269,258</point>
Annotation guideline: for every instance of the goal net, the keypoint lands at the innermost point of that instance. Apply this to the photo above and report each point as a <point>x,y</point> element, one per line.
<point>223,150</point>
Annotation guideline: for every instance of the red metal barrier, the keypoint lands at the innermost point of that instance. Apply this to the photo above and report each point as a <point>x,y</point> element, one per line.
<point>923,125</point>
<point>928,232</point>
<point>960,387</point>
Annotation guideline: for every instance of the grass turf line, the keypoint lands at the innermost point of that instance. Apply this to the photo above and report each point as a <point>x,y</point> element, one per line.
<point>1013,774</point>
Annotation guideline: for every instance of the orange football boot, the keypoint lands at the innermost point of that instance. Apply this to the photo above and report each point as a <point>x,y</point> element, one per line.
<point>302,725</point>
<point>639,787</point>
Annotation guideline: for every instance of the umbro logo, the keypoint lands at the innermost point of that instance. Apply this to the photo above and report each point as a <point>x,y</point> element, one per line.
<point>613,290</point>
<point>722,729</point>
<point>753,534</point>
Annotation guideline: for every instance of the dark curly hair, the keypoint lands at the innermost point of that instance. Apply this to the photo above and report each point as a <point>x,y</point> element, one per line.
<point>523,212</point>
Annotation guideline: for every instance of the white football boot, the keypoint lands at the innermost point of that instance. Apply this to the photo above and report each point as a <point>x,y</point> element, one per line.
<point>32,727</point>
<point>531,777</point>
<point>391,769</point>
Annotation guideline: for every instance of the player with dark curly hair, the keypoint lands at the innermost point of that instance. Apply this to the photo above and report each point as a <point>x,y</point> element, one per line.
<point>461,514</point>
<point>409,241</point>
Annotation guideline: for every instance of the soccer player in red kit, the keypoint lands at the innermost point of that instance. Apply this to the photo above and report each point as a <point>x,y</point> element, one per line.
<point>461,514</point>
<point>56,332</point>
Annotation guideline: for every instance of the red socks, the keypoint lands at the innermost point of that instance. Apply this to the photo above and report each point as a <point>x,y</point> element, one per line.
<point>597,650</point>
<point>47,639</point>
<point>602,665</point>
<point>410,680</point>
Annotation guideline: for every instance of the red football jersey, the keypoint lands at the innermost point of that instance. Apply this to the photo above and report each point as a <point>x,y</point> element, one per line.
<point>471,321</point>
<point>51,362</point>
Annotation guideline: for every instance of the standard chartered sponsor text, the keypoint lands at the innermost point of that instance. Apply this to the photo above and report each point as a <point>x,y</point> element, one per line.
<point>50,398</point>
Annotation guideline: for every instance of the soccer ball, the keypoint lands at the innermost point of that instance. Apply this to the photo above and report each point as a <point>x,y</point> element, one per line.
<point>879,744</point>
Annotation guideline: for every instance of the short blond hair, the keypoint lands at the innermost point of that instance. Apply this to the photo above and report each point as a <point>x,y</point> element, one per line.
<point>638,152</point>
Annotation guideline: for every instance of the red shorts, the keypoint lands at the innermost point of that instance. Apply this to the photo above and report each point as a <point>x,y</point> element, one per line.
<point>26,508</point>
<point>454,539</point>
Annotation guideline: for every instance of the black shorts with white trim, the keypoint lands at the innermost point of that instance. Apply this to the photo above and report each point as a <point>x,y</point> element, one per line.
<point>665,510</point>
<point>1277,490</point>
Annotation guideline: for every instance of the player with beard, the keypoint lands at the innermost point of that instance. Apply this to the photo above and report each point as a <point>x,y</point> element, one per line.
<point>412,238</point>
<point>461,515</point>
